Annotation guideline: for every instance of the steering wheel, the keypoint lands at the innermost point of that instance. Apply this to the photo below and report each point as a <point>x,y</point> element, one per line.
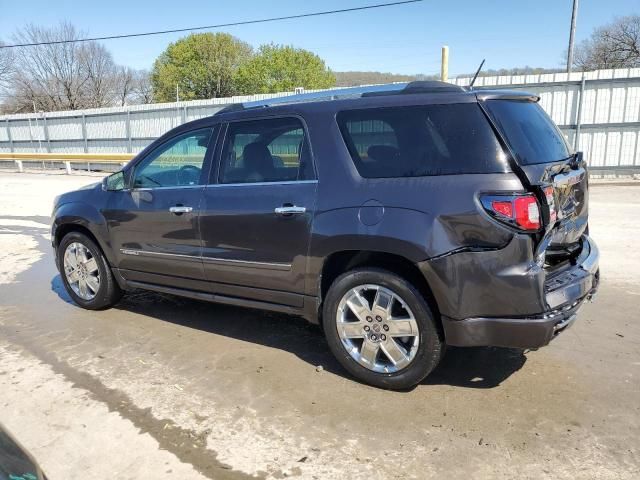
<point>189,175</point>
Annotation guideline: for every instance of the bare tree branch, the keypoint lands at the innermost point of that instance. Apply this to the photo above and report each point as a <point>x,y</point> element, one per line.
<point>616,45</point>
<point>143,89</point>
<point>101,75</point>
<point>6,66</point>
<point>66,76</point>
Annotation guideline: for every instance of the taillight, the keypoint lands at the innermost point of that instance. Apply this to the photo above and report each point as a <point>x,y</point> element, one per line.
<point>503,208</point>
<point>548,195</point>
<point>527,212</point>
<point>520,211</point>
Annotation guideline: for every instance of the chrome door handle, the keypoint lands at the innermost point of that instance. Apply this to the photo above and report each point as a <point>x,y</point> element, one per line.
<point>180,209</point>
<point>290,210</point>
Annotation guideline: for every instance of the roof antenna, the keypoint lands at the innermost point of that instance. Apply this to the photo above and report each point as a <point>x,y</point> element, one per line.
<point>473,80</point>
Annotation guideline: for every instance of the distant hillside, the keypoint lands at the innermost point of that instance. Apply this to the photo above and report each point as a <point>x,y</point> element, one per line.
<point>514,71</point>
<point>349,79</point>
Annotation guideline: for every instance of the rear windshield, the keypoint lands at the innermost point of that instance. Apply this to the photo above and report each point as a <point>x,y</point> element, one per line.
<point>530,132</point>
<point>421,141</point>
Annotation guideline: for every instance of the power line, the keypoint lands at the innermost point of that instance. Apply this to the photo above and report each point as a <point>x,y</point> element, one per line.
<point>221,25</point>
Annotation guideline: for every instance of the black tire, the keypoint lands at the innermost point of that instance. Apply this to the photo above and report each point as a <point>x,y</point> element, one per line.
<point>109,292</point>
<point>430,345</point>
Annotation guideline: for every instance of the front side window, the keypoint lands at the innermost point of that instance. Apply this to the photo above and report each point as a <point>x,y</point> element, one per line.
<point>421,140</point>
<point>269,150</point>
<point>177,163</point>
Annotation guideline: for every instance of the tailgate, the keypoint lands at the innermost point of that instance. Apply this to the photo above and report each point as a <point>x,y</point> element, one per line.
<point>548,168</point>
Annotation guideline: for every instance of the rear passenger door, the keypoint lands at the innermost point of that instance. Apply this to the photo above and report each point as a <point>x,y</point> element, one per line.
<point>257,211</point>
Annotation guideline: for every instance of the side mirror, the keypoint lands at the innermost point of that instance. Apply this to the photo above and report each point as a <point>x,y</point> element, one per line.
<point>113,182</point>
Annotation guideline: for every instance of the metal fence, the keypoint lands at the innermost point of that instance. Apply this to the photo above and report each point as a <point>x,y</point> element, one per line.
<point>599,113</point>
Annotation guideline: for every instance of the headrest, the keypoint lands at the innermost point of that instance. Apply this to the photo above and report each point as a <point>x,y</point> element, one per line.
<point>383,152</point>
<point>257,158</point>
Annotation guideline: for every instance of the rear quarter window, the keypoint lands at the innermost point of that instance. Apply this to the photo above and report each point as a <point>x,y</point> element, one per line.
<point>421,141</point>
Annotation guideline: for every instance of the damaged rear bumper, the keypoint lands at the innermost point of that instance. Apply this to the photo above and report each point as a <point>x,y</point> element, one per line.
<point>564,295</point>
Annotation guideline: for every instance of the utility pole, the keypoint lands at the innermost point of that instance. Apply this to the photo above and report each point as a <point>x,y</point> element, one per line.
<point>444,67</point>
<point>572,32</point>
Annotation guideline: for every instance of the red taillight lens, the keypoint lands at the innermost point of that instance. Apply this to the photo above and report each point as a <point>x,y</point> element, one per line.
<point>527,212</point>
<point>548,194</point>
<point>520,211</point>
<point>503,208</point>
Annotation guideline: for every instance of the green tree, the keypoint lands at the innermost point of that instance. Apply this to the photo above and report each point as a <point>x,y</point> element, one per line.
<point>203,65</point>
<point>279,68</point>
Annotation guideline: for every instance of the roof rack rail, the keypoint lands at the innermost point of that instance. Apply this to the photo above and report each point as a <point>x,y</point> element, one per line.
<point>427,86</point>
<point>350,92</point>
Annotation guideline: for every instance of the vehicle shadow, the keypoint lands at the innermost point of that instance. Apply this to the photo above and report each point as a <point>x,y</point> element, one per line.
<point>477,367</point>
<point>462,367</point>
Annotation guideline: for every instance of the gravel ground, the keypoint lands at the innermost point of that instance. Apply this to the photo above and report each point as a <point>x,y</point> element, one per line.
<point>164,387</point>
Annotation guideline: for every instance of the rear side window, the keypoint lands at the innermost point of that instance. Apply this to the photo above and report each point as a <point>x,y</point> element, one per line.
<point>421,141</point>
<point>529,131</point>
<point>268,150</point>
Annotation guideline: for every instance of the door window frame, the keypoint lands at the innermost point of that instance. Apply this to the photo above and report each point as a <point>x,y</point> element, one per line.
<point>206,162</point>
<point>216,167</point>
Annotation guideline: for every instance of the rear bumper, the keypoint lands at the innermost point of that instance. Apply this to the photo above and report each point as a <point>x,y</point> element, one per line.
<point>564,295</point>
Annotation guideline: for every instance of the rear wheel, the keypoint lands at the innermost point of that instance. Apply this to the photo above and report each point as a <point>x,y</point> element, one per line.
<point>381,329</point>
<point>85,273</point>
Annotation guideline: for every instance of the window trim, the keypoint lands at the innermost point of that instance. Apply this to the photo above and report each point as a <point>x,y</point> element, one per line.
<point>206,162</point>
<point>216,170</point>
<point>250,184</point>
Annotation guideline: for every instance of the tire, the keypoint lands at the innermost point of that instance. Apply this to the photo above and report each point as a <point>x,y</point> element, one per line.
<point>383,372</point>
<point>107,292</point>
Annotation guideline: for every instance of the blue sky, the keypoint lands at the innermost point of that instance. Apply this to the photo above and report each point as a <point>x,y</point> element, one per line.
<point>401,39</point>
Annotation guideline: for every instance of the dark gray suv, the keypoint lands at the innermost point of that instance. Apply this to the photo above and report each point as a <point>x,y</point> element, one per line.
<point>400,218</point>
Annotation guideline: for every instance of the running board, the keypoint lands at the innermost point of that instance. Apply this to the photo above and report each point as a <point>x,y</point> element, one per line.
<point>215,298</point>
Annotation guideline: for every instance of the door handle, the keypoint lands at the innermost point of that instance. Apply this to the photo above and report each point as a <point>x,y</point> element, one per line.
<point>180,209</point>
<point>287,210</point>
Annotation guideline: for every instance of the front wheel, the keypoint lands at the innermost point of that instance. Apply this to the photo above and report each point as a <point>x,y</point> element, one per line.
<point>85,273</point>
<point>381,329</point>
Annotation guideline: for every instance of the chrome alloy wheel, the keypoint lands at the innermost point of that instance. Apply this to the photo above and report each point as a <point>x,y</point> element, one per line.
<point>377,328</point>
<point>81,271</point>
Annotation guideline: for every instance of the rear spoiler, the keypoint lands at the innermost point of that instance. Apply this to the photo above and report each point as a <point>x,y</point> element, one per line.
<point>483,95</point>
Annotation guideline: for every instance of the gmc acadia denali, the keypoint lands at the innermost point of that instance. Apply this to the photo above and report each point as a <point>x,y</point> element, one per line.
<point>401,218</point>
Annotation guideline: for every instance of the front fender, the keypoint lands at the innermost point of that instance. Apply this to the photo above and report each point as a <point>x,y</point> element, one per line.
<point>85,216</point>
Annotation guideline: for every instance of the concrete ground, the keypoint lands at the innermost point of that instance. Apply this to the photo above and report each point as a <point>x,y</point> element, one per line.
<point>163,387</point>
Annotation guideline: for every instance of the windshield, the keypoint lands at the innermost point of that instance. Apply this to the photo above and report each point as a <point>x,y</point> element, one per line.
<point>529,131</point>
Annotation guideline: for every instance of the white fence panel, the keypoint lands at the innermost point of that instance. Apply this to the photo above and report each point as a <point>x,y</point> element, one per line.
<point>598,112</point>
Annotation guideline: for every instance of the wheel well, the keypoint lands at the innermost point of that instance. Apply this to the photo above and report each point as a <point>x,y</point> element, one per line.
<point>340,262</point>
<point>63,229</point>
<point>66,228</point>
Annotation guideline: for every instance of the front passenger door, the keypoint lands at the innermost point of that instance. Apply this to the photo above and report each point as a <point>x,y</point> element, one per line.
<point>154,224</point>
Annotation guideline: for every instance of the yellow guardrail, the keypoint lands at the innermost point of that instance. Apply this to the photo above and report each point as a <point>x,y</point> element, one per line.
<point>66,158</point>
<point>70,157</point>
